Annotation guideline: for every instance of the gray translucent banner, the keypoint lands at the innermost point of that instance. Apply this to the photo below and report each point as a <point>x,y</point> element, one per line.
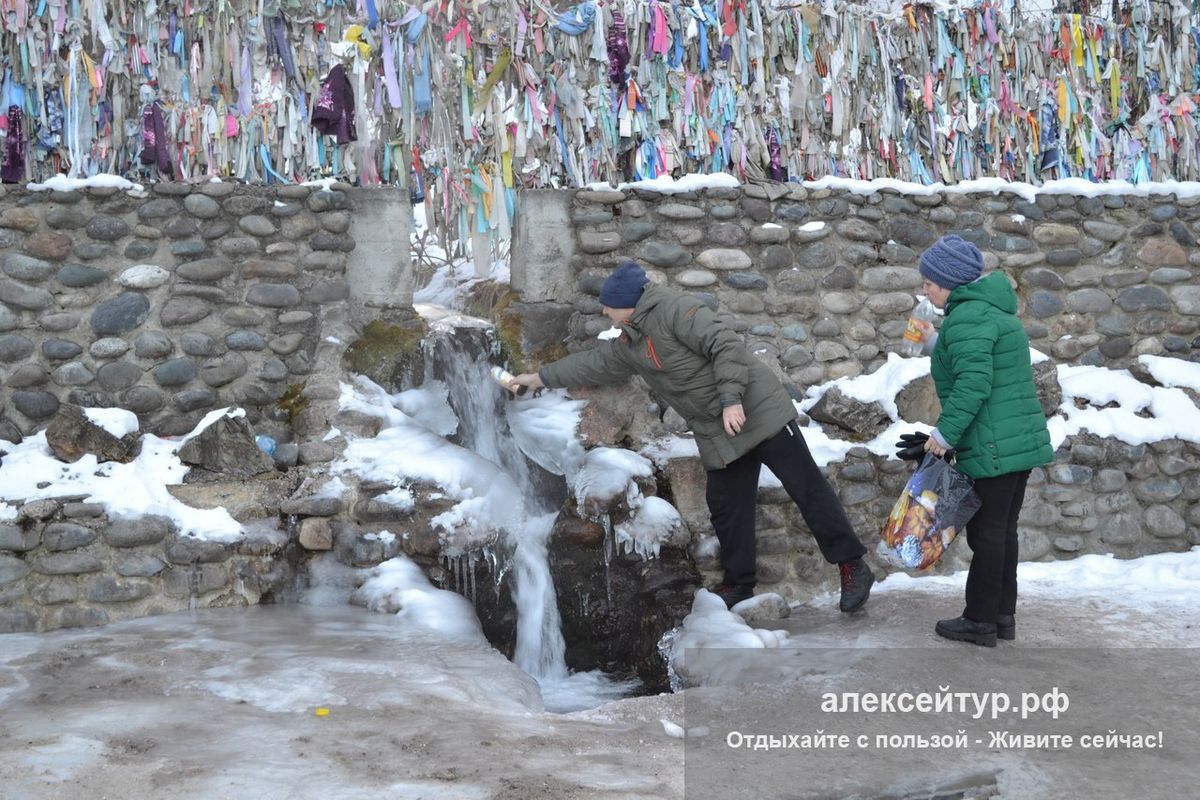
<point>950,724</point>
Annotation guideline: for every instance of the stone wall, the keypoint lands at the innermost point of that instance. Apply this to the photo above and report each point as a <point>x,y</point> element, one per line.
<point>820,283</point>
<point>185,298</point>
<point>170,302</point>
<point>65,564</point>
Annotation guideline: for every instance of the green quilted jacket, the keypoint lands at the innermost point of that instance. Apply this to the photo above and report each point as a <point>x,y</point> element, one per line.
<point>692,361</point>
<point>984,381</point>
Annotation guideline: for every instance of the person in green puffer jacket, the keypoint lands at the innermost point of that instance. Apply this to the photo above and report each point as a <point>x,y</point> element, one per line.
<point>739,412</point>
<point>991,417</point>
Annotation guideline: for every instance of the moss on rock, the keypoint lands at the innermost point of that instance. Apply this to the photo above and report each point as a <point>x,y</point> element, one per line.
<point>387,353</point>
<point>293,402</point>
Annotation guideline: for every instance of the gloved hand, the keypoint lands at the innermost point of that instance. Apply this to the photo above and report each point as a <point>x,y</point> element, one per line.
<point>911,446</point>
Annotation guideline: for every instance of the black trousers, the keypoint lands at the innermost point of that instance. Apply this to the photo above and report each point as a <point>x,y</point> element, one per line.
<point>732,495</point>
<point>992,537</point>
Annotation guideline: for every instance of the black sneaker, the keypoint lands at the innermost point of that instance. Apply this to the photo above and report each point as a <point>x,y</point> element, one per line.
<point>856,584</point>
<point>1006,627</point>
<point>732,593</point>
<point>961,629</point>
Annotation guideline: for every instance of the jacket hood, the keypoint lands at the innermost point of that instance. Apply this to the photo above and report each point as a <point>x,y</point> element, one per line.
<point>993,289</point>
<point>652,296</point>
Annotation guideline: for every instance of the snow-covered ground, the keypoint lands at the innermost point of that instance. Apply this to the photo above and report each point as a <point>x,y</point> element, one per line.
<point>302,702</point>
<point>1162,588</point>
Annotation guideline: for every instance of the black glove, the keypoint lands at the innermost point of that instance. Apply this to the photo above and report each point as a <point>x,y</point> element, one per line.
<point>911,446</point>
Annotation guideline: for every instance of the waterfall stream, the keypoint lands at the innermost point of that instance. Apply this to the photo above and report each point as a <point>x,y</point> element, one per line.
<point>462,358</point>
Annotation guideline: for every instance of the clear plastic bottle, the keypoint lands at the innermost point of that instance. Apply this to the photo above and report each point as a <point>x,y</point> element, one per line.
<point>505,378</point>
<point>919,330</point>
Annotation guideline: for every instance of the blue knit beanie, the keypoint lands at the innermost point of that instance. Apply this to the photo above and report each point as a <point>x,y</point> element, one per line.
<point>951,261</point>
<point>624,287</point>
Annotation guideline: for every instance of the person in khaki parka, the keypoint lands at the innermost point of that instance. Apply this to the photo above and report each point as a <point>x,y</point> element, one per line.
<point>738,410</point>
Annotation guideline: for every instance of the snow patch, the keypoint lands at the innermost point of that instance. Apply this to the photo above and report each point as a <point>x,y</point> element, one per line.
<point>665,184</point>
<point>116,421</point>
<point>61,183</point>
<point>1173,372</point>
<point>31,472</point>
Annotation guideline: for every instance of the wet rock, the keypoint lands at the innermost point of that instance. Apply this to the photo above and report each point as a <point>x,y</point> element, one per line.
<point>195,580</point>
<point>316,534</point>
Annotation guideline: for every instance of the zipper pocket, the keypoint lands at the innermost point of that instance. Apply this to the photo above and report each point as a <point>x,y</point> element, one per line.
<point>651,354</point>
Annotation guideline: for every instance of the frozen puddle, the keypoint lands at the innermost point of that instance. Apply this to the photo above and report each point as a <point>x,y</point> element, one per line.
<point>224,703</point>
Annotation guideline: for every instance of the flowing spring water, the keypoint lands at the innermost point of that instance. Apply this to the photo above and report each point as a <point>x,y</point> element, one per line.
<point>479,404</point>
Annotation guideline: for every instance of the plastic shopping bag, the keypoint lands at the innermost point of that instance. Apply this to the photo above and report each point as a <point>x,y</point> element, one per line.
<point>934,507</point>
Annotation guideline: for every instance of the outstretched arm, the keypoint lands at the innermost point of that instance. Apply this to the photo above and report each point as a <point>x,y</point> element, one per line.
<point>599,366</point>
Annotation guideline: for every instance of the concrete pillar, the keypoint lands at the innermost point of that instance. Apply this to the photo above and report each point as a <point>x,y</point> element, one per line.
<point>379,269</point>
<point>542,247</point>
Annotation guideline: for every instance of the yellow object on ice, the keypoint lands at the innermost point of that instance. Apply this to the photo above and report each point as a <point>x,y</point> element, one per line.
<point>322,712</point>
